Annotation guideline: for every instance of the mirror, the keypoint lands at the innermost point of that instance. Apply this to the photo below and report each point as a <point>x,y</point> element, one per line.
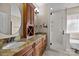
<point>15,19</point>
<point>10,19</point>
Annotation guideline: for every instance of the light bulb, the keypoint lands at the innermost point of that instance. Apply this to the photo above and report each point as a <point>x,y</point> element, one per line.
<point>51,8</point>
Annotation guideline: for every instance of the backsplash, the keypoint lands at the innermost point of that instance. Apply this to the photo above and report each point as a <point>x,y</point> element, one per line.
<point>5,41</point>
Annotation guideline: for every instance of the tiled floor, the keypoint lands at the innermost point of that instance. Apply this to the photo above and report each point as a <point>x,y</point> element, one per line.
<point>53,53</point>
<point>50,52</point>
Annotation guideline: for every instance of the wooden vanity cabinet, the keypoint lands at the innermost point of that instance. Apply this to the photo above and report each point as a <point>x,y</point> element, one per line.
<point>27,51</point>
<point>35,49</point>
<point>38,48</point>
<point>44,43</point>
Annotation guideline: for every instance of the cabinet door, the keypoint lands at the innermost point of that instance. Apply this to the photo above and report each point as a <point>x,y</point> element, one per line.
<point>29,53</point>
<point>38,49</point>
<point>24,51</point>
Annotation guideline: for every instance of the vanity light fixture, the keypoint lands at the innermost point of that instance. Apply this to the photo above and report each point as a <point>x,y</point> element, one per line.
<point>51,8</point>
<point>51,11</point>
<point>36,11</point>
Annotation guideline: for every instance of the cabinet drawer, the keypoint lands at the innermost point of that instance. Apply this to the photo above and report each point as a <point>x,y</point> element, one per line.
<point>38,49</point>
<point>37,52</point>
<point>29,53</point>
<point>39,45</point>
<point>23,51</point>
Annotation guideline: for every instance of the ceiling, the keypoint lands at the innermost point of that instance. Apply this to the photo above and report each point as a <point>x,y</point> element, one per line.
<point>57,6</point>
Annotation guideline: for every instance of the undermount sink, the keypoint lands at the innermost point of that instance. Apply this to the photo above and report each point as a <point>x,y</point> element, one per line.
<point>13,45</point>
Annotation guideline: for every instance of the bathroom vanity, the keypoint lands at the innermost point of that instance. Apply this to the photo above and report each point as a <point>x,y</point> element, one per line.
<point>32,47</point>
<point>35,47</point>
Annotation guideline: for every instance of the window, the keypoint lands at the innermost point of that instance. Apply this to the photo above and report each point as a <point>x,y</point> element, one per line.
<point>72,23</point>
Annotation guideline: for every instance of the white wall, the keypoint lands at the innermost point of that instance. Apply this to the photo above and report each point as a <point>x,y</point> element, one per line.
<point>5,21</point>
<point>41,18</point>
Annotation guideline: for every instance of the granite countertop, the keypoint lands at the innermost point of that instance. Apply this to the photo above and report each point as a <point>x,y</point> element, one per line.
<point>11,52</point>
<point>4,36</point>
